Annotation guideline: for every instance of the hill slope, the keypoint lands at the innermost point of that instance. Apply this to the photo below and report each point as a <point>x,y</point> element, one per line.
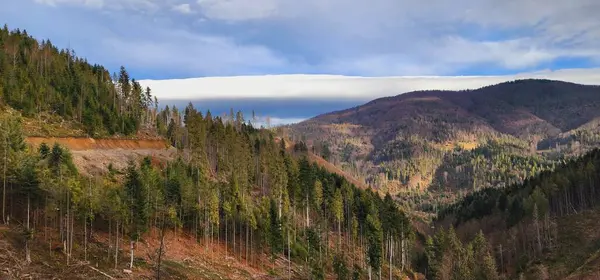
<point>228,185</point>
<point>445,138</point>
<point>545,228</point>
<point>37,78</point>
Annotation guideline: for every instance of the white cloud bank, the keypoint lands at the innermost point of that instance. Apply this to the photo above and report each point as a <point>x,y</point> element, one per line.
<point>334,86</point>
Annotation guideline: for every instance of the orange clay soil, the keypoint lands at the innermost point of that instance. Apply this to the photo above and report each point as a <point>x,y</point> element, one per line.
<point>81,144</point>
<point>94,156</point>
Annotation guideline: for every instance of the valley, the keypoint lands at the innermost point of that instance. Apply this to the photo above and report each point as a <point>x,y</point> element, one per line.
<point>452,143</point>
<point>100,182</point>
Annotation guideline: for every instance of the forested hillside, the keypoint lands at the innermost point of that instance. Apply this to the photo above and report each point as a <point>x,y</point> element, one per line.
<point>41,81</point>
<point>452,143</point>
<point>233,201</point>
<point>233,188</point>
<point>545,228</point>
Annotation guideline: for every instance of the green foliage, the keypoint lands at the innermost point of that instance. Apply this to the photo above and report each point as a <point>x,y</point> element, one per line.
<point>356,273</point>
<point>136,201</point>
<point>227,171</point>
<point>38,77</point>
<point>340,267</point>
<point>299,252</point>
<point>448,256</point>
<point>572,183</point>
<point>44,150</point>
<point>375,239</point>
<point>275,233</point>
<point>525,215</point>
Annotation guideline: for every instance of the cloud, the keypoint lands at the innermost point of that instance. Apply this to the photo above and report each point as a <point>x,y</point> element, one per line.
<point>342,87</point>
<point>88,3</point>
<point>274,121</point>
<point>346,37</point>
<point>183,8</point>
<point>140,5</point>
<point>444,35</point>
<point>190,52</point>
<point>238,10</point>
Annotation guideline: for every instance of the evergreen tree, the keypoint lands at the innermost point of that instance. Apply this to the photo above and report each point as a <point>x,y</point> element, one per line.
<point>138,205</point>
<point>375,239</point>
<point>275,234</point>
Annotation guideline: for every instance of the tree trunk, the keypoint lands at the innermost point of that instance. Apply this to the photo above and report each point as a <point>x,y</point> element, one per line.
<point>131,254</point>
<point>233,223</point>
<point>307,217</point>
<point>226,240</point>
<point>4,184</point>
<point>109,243</point>
<point>85,239</point>
<point>27,251</point>
<point>289,258</point>
<point>72,235</point>
<point>46,221</point>
<point>391,243</point>
<point>117,245</point>
<point>402,253</point>
<point>67,224</point>
<point>340,234</point>
<point>247,229</point>
<point>160,249</point>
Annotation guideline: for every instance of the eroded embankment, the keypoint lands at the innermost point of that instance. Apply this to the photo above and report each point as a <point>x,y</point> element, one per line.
<point>82,144</point>
<point>93,156</point>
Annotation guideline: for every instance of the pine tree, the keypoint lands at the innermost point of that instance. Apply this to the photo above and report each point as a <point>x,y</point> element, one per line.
<point>275,234</point>
<point>337,206</point>
<point>375,239</point>
<point>138,206</point>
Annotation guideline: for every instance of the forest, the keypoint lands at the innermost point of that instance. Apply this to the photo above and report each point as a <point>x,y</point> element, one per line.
<point>256,193</point>
<point>532,222</point>
<point>232,184</point>
<point>38,79</point>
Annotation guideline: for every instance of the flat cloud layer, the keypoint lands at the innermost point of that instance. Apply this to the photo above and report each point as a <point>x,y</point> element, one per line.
<point>334,86</point>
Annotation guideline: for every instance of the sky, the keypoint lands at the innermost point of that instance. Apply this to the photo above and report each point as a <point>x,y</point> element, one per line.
<point>176,39</point>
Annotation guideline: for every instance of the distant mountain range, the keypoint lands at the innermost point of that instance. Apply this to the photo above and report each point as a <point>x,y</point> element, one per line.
<point>292,97</point>
<point>446,138</point>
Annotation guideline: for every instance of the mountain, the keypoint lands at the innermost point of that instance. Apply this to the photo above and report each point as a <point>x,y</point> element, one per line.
<point>499,134</point>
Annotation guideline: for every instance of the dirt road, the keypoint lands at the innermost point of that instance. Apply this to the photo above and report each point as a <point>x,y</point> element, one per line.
<point>92,156</point>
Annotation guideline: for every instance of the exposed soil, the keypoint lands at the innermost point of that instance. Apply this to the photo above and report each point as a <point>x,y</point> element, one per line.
<point>82,144</point>
<point>93,156</point>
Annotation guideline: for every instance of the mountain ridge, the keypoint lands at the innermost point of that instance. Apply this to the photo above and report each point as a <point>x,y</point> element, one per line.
<point>414,133</point>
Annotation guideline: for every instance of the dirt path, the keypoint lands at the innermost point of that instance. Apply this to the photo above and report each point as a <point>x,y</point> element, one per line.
<point>82,144</point>
<point>92,156</point>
